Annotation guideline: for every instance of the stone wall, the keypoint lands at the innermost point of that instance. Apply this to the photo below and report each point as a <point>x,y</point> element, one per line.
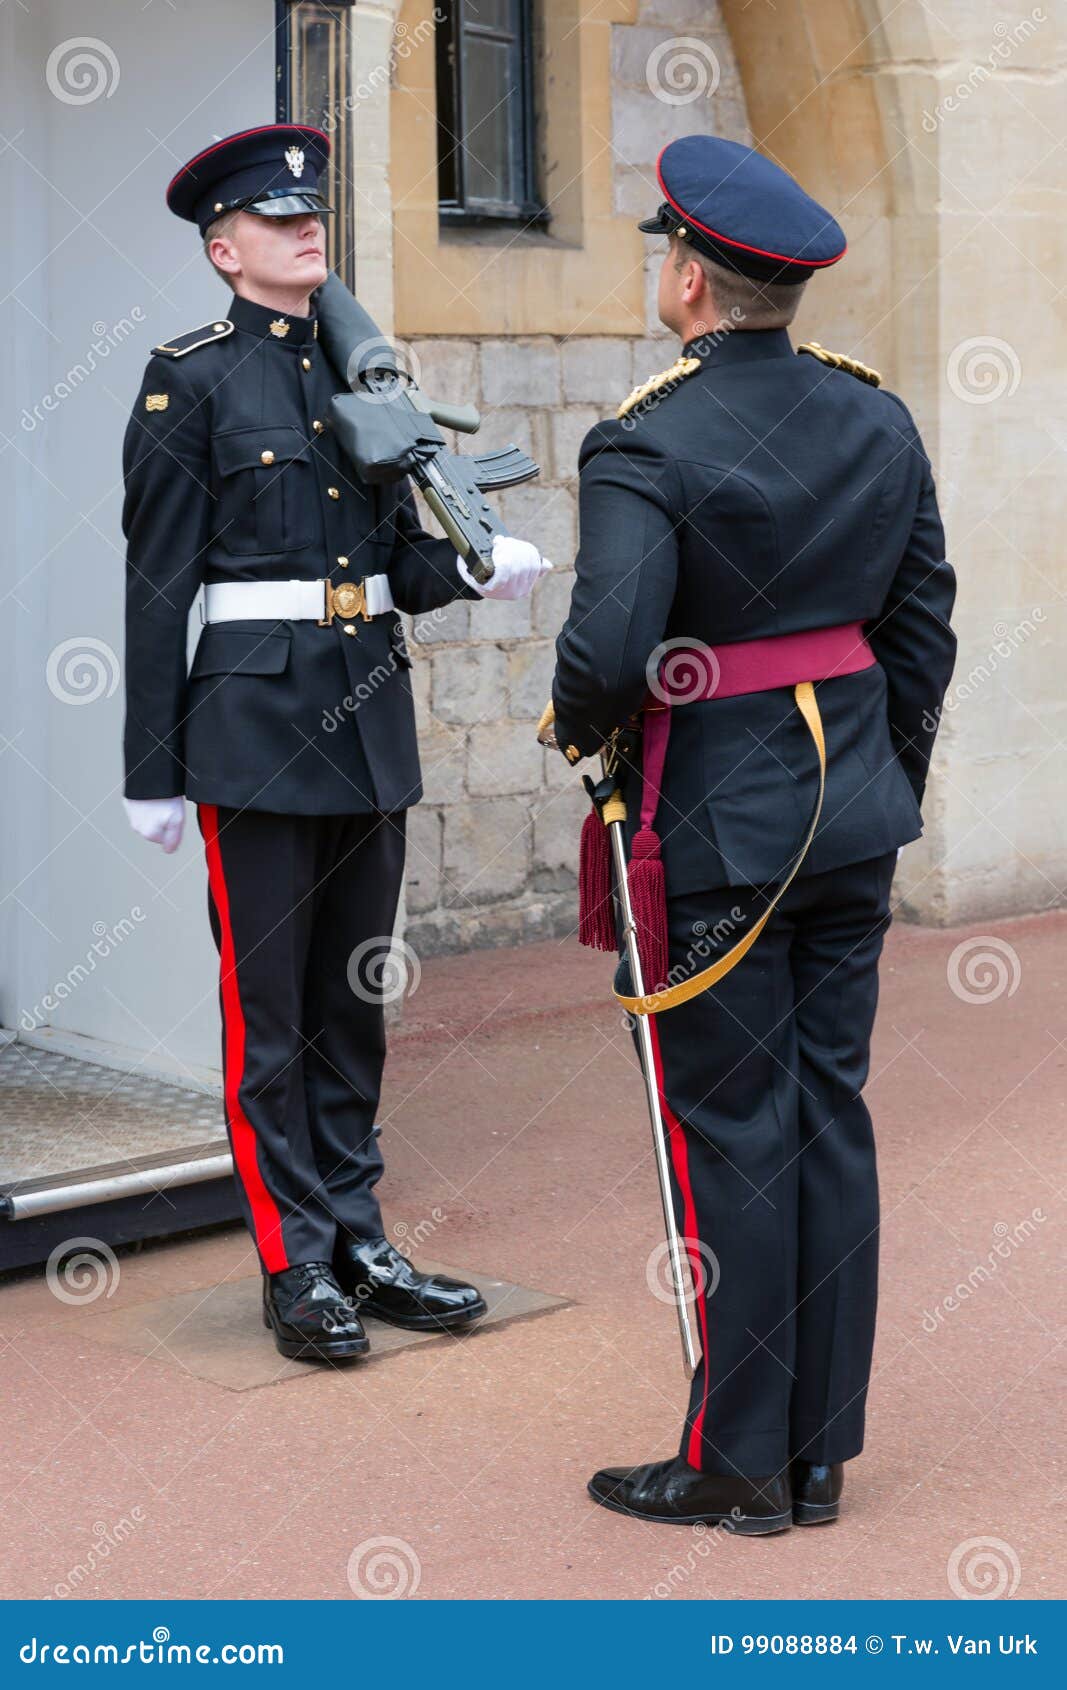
<point>493,847</point>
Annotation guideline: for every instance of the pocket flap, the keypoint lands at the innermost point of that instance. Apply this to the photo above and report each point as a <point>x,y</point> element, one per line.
<point>237,651</point>
<point>243,448</point>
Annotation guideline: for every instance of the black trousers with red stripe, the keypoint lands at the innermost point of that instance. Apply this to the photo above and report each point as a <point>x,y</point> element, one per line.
<point>302,909</point>
<point>774,1165</point>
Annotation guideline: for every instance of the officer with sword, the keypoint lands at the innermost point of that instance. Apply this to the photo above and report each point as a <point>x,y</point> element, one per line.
<point>294,731</point>
<point>758,645</point>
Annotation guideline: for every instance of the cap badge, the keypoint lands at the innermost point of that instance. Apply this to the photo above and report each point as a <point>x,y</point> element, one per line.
<point>294,158</point>
<point>279,328</point>
<point>156,401</point>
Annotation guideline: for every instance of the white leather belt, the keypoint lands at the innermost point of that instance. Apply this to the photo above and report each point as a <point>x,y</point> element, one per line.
<point>295,601</point>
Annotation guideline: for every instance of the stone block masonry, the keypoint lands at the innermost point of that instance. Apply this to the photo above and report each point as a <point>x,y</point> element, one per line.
<point>494,847</point>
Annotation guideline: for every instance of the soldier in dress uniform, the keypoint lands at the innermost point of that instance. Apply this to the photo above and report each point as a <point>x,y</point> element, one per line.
<point>762,565</point>
<point>293,732</point>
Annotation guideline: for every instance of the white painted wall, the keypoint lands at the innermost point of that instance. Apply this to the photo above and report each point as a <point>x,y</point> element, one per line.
<point>92,255</point>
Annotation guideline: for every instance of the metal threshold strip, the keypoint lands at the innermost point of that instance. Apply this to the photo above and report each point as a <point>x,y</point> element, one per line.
<point>152,1174</point>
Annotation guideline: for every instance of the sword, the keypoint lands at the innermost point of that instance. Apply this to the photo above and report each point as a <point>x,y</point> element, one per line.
<point>679,1262</point>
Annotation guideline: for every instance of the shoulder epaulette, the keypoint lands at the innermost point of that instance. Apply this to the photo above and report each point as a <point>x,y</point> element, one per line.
<point>192,338</point>
<point>677,373</point>
<point>839,361</point>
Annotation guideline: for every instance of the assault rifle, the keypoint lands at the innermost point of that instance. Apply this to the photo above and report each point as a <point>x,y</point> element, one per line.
<point>388,429</point>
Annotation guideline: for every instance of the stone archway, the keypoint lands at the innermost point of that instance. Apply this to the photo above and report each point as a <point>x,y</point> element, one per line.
<point>937,139</point>
<point>830,87</point>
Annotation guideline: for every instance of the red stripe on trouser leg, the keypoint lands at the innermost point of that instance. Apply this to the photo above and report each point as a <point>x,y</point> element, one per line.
<point>266,1221</point>
<point>680,1163</point>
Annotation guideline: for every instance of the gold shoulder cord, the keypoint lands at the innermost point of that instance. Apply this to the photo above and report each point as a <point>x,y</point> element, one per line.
<point>653,1003</point>
<point>840,361</point>
<point>678,371</point>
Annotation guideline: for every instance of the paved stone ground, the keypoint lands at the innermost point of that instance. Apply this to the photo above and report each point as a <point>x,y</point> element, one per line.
<point>517,1146</point>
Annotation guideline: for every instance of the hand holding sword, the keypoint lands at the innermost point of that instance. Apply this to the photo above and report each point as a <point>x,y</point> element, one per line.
<point>611,807</point>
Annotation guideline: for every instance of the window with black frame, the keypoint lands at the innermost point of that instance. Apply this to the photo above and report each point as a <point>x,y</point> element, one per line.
<point>485,115</point>
<point>314,74</point>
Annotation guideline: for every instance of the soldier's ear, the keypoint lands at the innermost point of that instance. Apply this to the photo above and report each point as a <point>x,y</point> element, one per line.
<point>694,282</point>
<point>223,254</point>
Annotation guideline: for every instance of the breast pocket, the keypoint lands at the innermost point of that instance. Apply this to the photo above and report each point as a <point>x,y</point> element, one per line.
<point>265,490</point>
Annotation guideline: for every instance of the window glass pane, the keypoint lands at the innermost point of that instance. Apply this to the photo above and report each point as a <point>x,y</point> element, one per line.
<point>489,93</point>
<point>491,14</point>
<point>319,95</point>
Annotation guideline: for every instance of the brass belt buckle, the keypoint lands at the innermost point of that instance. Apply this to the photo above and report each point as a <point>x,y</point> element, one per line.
<point>347,600</point>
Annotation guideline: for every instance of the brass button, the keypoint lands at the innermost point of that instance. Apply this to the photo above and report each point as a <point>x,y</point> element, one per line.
<point>218,205</point>
<point>343,561</point>
<point>348,628</point>
<point>306,362</point>
<point>218,327</point>
<point>334,492</point>
<point>318,426</point>
<point>266,457</point>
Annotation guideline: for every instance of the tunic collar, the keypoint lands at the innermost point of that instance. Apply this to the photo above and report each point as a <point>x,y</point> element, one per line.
<point>739,346</point>
<point>266,324</point>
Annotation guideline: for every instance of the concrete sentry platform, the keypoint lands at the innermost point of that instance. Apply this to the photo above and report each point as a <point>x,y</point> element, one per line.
<point>515,1135</point>
<point>218,1334</point>
<point>59,1115</point>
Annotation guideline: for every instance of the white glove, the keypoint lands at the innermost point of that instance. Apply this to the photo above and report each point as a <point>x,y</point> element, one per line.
<point>516,567</point>
<point>159,820</point>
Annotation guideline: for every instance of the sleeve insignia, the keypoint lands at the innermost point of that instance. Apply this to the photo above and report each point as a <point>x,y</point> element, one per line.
<point>180,344</point>
<point>156,401</point>
<point>838,361</point>
<point>665,382</point>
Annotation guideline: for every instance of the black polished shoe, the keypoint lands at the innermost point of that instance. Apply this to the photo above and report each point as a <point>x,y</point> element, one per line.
<point>310,1316</point>
<point>816,1492</point>
<point>675,1493</point>
<point>383,1283</point>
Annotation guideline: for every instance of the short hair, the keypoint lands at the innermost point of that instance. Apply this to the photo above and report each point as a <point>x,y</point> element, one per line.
<point>221,226</point>
<point>746,302</point>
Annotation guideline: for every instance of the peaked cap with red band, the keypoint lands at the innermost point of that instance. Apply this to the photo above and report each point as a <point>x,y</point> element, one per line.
<point>737,207</point>
<point>273,170</point>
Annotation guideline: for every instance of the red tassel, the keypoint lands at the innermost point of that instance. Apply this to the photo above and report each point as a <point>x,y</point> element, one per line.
<point>596,911</point>
<point>648,898</point>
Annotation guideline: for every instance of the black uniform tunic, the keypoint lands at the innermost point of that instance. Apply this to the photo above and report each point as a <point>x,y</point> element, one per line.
<point>234,477</point>
<point>296,741</point>
<point>768,494</point>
